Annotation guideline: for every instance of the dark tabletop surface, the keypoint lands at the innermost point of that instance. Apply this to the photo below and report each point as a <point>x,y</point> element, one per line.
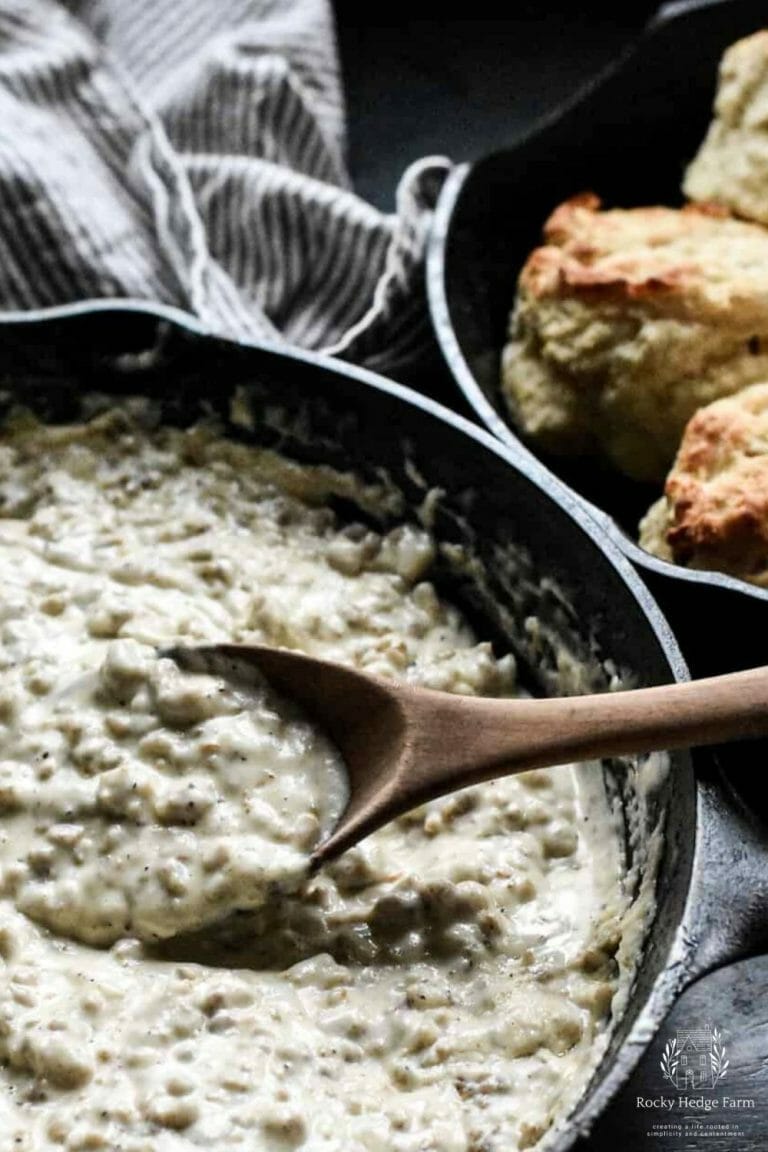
<point>421,81</point>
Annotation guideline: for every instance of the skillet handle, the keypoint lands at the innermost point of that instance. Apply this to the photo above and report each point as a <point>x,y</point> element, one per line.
<point>726,914</point>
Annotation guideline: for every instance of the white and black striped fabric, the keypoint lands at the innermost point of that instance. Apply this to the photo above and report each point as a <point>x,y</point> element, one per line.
<point>192,152</point>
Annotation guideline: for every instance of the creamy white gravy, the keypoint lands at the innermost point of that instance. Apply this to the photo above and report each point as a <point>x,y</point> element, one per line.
<point>446,985</point>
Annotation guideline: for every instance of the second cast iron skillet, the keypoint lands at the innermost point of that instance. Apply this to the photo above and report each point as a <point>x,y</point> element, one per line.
<point>627,136</point>
<point>534,551</point>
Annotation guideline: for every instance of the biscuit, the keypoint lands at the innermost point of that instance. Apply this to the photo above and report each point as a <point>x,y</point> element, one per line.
<point>731,166</point>
<point>714,512</point>
<point>627,321</point>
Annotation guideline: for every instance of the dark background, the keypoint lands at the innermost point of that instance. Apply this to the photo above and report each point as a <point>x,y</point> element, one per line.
<point>421,81</point>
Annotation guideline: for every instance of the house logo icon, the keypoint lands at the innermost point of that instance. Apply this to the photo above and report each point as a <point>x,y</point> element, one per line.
<point>695,1058</point>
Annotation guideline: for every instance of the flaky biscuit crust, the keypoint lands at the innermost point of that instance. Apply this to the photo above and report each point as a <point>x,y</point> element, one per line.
<point>627,321</point>
<point>714,513</point>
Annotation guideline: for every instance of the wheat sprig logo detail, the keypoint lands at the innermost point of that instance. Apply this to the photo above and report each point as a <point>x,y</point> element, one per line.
<point>717,1056</point>
<point>669,1060</point>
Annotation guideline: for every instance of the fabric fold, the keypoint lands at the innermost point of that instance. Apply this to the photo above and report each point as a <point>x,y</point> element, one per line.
<point>192,152</point>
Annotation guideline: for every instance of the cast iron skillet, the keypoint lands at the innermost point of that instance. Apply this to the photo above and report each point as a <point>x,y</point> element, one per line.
<point>626,136</point>
<point>539,552</point>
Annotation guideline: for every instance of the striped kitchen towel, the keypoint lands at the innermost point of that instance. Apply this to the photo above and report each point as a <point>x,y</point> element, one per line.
<point>192,152</point>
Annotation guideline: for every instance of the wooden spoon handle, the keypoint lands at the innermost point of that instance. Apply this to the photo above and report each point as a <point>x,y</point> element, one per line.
<point>498,737</point>
<point>669,716</point>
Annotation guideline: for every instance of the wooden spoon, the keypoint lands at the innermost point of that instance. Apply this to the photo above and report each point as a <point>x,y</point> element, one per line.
<point>404,745</point>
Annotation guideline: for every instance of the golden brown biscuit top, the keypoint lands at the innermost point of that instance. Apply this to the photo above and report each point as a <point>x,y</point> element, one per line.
<point>717,491</point>
<point>696,262</point>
